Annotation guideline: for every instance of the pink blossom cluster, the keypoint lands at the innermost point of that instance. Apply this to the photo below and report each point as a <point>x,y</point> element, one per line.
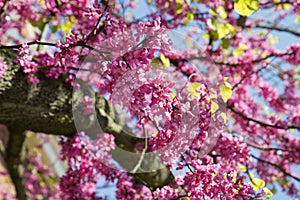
<point>29,67</point>
<point>86,165</point>
<point>3,67</point>
<point>212,181</point>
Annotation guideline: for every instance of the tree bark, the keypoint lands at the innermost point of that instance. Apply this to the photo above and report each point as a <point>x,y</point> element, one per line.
<point>47,107</point>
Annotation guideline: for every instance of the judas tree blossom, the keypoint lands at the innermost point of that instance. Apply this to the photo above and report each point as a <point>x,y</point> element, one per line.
<point>156,99</point>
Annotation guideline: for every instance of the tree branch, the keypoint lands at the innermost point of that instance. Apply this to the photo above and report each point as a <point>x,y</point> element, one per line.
<point>260,122</point>
<point>277,166</point>
<point>275,28</point>
<point>14,157</point>
<point>47,107</point>
<point>2,11</point>
<point>273,148</point>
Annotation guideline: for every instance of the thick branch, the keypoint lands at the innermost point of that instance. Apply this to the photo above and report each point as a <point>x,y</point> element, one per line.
<point>47,107</point>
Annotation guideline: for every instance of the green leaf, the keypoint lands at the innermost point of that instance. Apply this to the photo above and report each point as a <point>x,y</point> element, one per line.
<point>178,8</point>
<point>192,89</point>
<point>242,168</point>
<point>40,23</point>
<point>223,115</point>
<point>273,190</point>
<point>225,43</point>
<point>297,20</point>
<point>257,183</point>
<point>165,61</point>
<point>189,17</point>
<point>67,27</point>
<point>214,35</point>
<point>283,182</point>
<point>246,7</point>
<point>239,50</point>
<point>222,12</point>
<point>172,95</point>
<point>268,192</point>
<point>222,30</point>
<point>214,107</point>
<point>234,176</point>
<point>55,28</point>
<point>155,63</point>
<point>226,92</point>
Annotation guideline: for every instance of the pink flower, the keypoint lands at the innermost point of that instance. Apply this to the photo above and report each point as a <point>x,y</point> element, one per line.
<point>3,67</point>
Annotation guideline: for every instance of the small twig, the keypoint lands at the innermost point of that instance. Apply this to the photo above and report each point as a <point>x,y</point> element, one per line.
<point>254,72</point>
<point>272,148</point>
<point>260,122</point>
<point>277,166</point>
<point>154,124</point>
<point>123,58</point>
<point>142,154</point>
<point>2,11</point>
<point>93,32</point>
<point>28,43</point>
<point>188,166</point>
<point>281,29</point>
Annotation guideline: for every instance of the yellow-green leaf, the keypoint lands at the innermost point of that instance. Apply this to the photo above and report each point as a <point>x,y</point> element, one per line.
<point>242,168</point>
<point>268,192</point>
<point>40,23</point>
<point>223,115</point>
<point>246,7</point>
<point>155,63</point>
<point>67,27</point>
<point>226,92</point>
<point>178,8</point>
<point>212,12</point>
<point>165,61</point>
<point>222,30</point>
<point>73,19</point>
<point>284,6</point>
<point>257,183</point>
<point>235,191</point>
<point>213,96</point>
<point>297,19</point>
<point>214,107</point>
<point>42,183</point>
<point>239,50</point>
<point>189,17</point>
<point>225,175</point>
<point>192,89</point>
<point>206,36</point>
<point>234,176</point>
<point>7,179</point>
<point>221,12</point>
<point>172,95</point>
<point>42,2</point>
<point>225,43</point>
